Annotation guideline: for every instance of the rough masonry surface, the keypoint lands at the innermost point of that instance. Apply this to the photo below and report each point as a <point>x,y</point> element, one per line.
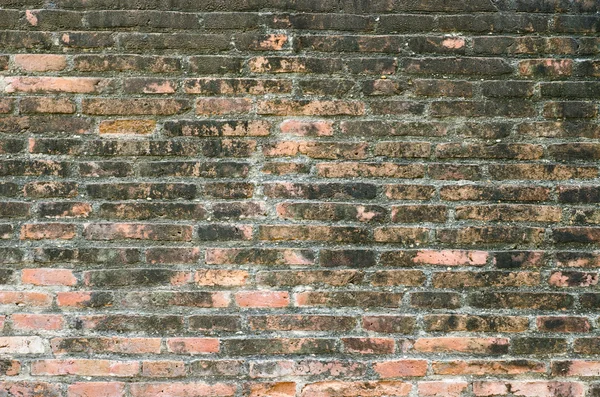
<point>314,198</point>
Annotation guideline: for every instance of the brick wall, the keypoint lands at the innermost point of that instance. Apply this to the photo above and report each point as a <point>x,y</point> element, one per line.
<point>316,198</point>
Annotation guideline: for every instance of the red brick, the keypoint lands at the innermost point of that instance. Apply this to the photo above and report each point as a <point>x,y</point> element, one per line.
<point>163,369</point>
<point>192,346</point>
<point>488,367</point>
<point>273,389</point>
<point>442,388</point>
<point>528,388</point>
<point>217,106</point>
<point>44,231</point>
<point>470,345</point>
<point>218,277</point>
<point>127,127</point>
<point>48,277</point>
<point>198,389</point>
<point>85,367</point>
<point>40,299</point>
<point>400,368</point>
<point>76,85</point>
<point>30,322</point>
<point>307,128</point>
<point>262,299</point>
<point>40,62</point>
<point>96,389</point>
<point>356,389</point>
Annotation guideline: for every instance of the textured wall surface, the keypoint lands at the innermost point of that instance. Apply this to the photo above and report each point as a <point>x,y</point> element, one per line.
<point>316,198</point>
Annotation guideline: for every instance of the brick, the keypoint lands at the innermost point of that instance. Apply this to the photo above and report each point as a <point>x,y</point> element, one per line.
<point>163,369</point>
<point>40,63</point>
<point>104,345</point>
<point>140,127</point>
<point>398,277</point>
<point>331,212</point>
<point>435,300</point>
<point>575,368</point>
<point>181,389</point>
<point>96,389</point>
<point>22,345</point>
<point>458,66</point>
<point>78,85</point>
<point>569,110</point>
<point>296,346</point>
<point>10,367</point>
<point>528,388</point>
<point>215,106</point>
<point>301,323</point>
<point>149,19</point>
<point>284,107</point>
<point>43,231</point>
<point>551,68</point>
<point>152,211</point>
<point>271,299</point>
<point>306,367</point>
<point>31,388</point>
<point>132,191</point>
<point>474,323</point>
<point>370,170</point>
<point>312,233</point>
<point>47,105</point>
<point>118,107</point>
<point>389,324</point>
<point>123,63</point>
<point>351,389</point>
<point>214,323</point>
<point>281,389</point>
<point>85,367</point>
<point>368,345</point>
<point>123,323</point>
<point>349,299</point>
<point>563,324</point>
<point>523,300</point>
<point>139,42</point>
<point>224,278</point>
<point>471,345</point>
<point>149,86</point>
<point>309,277</point>
<point>446,388</point>
<point>539,346</point>
<point>34,299</point>
<point>216,367</point>
<point>110,231</point>
<point>495,193</point>
<point>136,277</point>
<point>50,189</point>
<point>400,368</point>
<point>84,299</point>
<point>48,277</point>
<point>481,367</point>
<point>294,65</point>
<point>490,235</point>
<point>164,299</point>
<point>210,128</point>
<point>586,346</point>
<point>30,322</point>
